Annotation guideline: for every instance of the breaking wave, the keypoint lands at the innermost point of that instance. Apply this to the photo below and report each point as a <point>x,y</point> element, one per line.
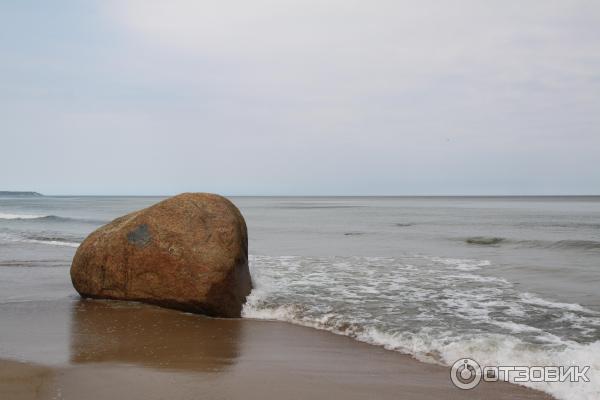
<point>53,240</point>
<point>21,216</point>
<point>436,309</point>
<point>47,218</point>
<point>41,239</point>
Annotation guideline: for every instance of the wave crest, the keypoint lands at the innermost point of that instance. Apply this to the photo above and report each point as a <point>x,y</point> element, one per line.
<point>52,240</point>
<point>485,240</point>
<point>48,218</point>
<point>21,216</point>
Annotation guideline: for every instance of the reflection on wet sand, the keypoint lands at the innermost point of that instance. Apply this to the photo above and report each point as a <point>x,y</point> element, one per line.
<point>130,333</point>
<point>119,350</point>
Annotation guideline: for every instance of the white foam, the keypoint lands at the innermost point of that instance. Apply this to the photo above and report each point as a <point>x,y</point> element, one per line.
<point>51,242</point>
<point>436,309</point>
<point>14,238</point>
<point>460,264</point>
<point>536,300</point>
<point>502,350</point>
<point>21,216</point>
<point>487,350</point>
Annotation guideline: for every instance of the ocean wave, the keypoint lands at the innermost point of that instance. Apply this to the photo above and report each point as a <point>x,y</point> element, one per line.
<point>569,225</point>
<point>21,216</point>
<point>536,300</point>
<point>436,309</point>
<point>486,349</point>
<point>47,218</point>
<point>33,263</point>
<point>543,244</point>
<point>52,240</point>
<point>576,244</point>
<point>561,244</point>
<point>484,240</point>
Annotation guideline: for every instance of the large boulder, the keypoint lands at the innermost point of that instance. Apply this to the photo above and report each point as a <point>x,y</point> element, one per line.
<point>188,252</point>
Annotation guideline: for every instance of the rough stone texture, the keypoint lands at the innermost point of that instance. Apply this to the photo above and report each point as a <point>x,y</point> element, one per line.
<point>188,252</point>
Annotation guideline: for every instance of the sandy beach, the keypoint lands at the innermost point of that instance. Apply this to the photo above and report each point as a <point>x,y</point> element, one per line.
<point>109,350</point>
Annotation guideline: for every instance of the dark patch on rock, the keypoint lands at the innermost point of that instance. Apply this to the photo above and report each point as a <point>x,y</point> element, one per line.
<point>140,236</point>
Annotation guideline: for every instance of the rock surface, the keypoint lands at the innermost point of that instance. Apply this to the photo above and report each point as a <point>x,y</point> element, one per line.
<point>188,252</point>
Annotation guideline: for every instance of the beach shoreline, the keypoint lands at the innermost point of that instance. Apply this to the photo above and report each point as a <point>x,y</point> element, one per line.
<point>134,351</point>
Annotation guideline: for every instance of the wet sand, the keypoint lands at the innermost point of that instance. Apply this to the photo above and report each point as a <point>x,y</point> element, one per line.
<point>20,381</point>
<point>108,350</point>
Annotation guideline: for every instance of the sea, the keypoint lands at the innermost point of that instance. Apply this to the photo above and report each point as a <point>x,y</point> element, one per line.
<point>506,281</point>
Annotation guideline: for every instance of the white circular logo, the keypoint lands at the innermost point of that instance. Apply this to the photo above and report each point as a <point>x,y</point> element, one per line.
<point>465,373</point>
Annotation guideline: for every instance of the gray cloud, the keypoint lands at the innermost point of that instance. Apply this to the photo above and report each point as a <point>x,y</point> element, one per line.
<point>302,97</point>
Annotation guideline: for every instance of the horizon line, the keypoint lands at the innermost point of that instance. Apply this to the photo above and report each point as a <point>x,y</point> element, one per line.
<point>316,195</point>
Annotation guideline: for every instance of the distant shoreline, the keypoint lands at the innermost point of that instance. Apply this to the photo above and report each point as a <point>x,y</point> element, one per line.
<point>324,196</point>
<point>20,194</point>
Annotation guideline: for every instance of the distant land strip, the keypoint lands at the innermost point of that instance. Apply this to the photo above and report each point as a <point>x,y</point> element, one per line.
<point>29,194</point>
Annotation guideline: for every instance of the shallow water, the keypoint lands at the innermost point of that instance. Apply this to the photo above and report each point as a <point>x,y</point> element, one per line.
<point>507,281</point>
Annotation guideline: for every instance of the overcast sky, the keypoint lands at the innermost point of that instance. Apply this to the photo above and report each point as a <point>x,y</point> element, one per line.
<point>287,97</point>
